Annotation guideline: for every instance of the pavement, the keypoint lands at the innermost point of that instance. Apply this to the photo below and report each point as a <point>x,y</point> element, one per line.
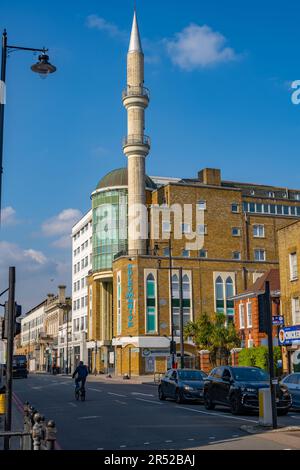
<point>123,415</point>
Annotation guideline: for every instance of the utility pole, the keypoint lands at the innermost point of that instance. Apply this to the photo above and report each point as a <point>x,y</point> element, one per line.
<point>9,354</point>
<point>269,327</point>
<point>181,319</point>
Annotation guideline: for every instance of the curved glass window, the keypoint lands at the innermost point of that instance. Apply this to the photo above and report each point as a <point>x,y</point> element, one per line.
<point>109,227</point>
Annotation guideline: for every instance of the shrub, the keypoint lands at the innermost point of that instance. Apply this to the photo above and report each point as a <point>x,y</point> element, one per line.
<point>258,357</point>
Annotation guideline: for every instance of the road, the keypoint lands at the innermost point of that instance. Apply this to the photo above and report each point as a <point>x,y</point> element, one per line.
<point>130,417</point>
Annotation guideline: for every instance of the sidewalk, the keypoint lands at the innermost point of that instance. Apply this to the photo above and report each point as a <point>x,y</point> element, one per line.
<point>141,380</point>
<point>288,436</point>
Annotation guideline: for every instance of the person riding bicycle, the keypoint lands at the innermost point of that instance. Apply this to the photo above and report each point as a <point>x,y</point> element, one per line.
<point>81,372</point>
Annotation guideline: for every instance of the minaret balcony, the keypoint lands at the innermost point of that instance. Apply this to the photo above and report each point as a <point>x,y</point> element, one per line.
<point>139,143</point>
<point>136,95</point>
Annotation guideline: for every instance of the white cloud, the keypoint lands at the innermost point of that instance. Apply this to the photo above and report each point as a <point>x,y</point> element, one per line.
<point>199,47</point>
<point>63,242</point>
<point>62,223</point>
<point>36,274</point>
<point>96,22</point>
<point>8,216</point>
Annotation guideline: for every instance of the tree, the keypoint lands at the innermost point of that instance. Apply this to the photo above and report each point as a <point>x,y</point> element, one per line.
<point>214,335</point>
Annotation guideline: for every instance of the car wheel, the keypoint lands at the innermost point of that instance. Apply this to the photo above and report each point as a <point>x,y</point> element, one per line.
<point>161,394</point>
<point>235,405</point>
<point>179,397</point>
<point>209,405</point>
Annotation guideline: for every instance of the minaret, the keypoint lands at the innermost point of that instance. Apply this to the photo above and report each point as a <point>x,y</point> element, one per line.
<point>136,144</point>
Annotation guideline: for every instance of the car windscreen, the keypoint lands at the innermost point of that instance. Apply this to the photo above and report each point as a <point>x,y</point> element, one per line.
<point>191,375</point>
<point>249,375</point>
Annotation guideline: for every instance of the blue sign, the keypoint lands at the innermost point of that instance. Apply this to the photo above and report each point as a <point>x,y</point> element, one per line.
<point>130,296</point>
<point>289,335</point>
<point>278,320</point>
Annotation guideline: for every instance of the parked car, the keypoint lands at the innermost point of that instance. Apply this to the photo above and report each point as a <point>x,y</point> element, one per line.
<point>19,367</point>
<point>292,382</point>
<point>182,385</point>
<point>237,388</point>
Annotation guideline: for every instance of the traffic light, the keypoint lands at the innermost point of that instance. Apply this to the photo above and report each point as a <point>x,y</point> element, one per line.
<point>18,313</point>
<point>5,321</point>
<point>173,347</point>
<point>262,313</point>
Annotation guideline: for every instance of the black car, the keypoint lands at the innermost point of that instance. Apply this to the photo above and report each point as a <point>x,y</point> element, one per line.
<point>237,388</point>
<point>19,367</point>
<point>182,385</point>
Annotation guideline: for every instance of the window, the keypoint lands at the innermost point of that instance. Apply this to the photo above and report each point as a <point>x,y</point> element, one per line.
<point>249,315</point>
<point>186,228</point>
<point>186,300</point>
<point>185,253</point>
<point>259,208</point>
<point>234,207</point>
<point>250,343</point>
<point>202,205</point>
<point>236,232</point>
<point>219,295</point>
<point>236,255</point>
<point>271,194</point>
<point>203,254</point>
<point>293,266</point>
<point>166,252</point>
<point>242,316</point>
<point>150,304</point>
<point>166,227</point>
<point>229,294</point>
<point>259,255</point>
<point>279,209</point>
<point>258,231</point>
<point>119,305</point>
<point>74,305</point>
<point>296,310</point>
<point>202,229</point>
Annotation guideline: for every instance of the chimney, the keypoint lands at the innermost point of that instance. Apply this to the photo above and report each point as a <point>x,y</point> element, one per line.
<point>210,176</point>
<point>62,294</point>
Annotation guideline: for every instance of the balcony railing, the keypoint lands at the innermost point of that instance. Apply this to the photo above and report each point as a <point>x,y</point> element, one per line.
<point>136,140</point>
<point>136,91</point>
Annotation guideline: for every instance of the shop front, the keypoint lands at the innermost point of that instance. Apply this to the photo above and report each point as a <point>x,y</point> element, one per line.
<point>289,339</point>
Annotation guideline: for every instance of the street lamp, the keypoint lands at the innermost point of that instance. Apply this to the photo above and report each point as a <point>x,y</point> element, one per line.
<point>43,67</point>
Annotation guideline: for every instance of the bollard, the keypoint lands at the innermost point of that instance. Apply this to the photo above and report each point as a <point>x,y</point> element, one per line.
<point>27,440</point>
<point>50,435</point>
<point>37,432</point>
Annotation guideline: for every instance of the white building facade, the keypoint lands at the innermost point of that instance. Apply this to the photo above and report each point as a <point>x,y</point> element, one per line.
<point>82,248</point>
<point>32,327</point>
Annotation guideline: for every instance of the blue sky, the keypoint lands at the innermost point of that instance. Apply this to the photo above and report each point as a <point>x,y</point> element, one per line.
<point>219,75</point>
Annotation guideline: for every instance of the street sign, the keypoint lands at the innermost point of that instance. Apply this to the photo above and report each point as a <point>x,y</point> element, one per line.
<point>289,335</point>
<point>278,320</point>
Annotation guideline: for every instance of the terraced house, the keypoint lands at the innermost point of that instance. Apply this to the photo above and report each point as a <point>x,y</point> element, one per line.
<point>133,299</point>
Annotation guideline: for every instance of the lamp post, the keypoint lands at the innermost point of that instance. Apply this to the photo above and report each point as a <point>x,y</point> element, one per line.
<point>42,67</point>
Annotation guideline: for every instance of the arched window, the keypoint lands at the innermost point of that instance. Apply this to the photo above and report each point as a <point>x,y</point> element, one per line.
<point>119,307</point>
<point>186,301</point>
<point>229,293</point>
<point>219,295</point>
<point>150,304</point>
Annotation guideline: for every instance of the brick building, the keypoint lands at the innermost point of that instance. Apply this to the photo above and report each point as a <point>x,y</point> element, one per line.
<point>129,295</point>
<point>247,314</point>
<point>289,258</point>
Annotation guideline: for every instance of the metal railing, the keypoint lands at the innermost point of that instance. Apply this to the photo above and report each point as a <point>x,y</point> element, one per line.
<point>37,434</point>
<point>136,91</point>
<point>136,139</point>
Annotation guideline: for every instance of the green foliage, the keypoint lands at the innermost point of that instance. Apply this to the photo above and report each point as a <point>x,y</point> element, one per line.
<point>213,334</point>
<point>259,357</point>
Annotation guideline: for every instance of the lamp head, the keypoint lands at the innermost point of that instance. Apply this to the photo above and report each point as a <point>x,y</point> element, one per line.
<point>43,66</point>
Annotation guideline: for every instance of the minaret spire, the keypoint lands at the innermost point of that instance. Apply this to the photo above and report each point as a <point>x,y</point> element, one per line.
<point>135,44</point>
<point>136,145</point>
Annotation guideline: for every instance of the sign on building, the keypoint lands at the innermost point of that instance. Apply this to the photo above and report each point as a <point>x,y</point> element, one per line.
<point>289,335</point>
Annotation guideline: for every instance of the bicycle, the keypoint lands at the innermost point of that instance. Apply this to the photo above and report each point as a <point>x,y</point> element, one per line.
<point>80,393</point>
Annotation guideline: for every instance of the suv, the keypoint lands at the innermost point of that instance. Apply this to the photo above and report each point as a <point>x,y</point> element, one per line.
<point>237,388</point>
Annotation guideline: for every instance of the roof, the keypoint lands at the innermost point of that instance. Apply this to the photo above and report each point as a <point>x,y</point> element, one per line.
<point>119,178</point>
<point>272,276</point>
<point>135,40</point>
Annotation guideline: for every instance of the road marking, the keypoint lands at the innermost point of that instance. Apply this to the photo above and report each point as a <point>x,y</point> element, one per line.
<point>168,442</point>
<point>142,394</point>
<point>212,438</point>
<point>95,389</point>
<point>116,394</point>
<point>36,388</point>
<point>123,447</point>
<point>149,401</point>
<point>89,417</point>
<point>121,402</point>
<point>72,404</point>
<point>191,439</point>
<point>235,435</point>
<point>295,417</point>
<point>100,448</point>
<point>146,443</point>
<point>215,414</point>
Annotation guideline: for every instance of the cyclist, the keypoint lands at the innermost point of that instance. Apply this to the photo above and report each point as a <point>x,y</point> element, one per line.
<point>81,372</point>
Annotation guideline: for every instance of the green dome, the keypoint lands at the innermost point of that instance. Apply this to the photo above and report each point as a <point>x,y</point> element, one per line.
<point>118,178</point>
